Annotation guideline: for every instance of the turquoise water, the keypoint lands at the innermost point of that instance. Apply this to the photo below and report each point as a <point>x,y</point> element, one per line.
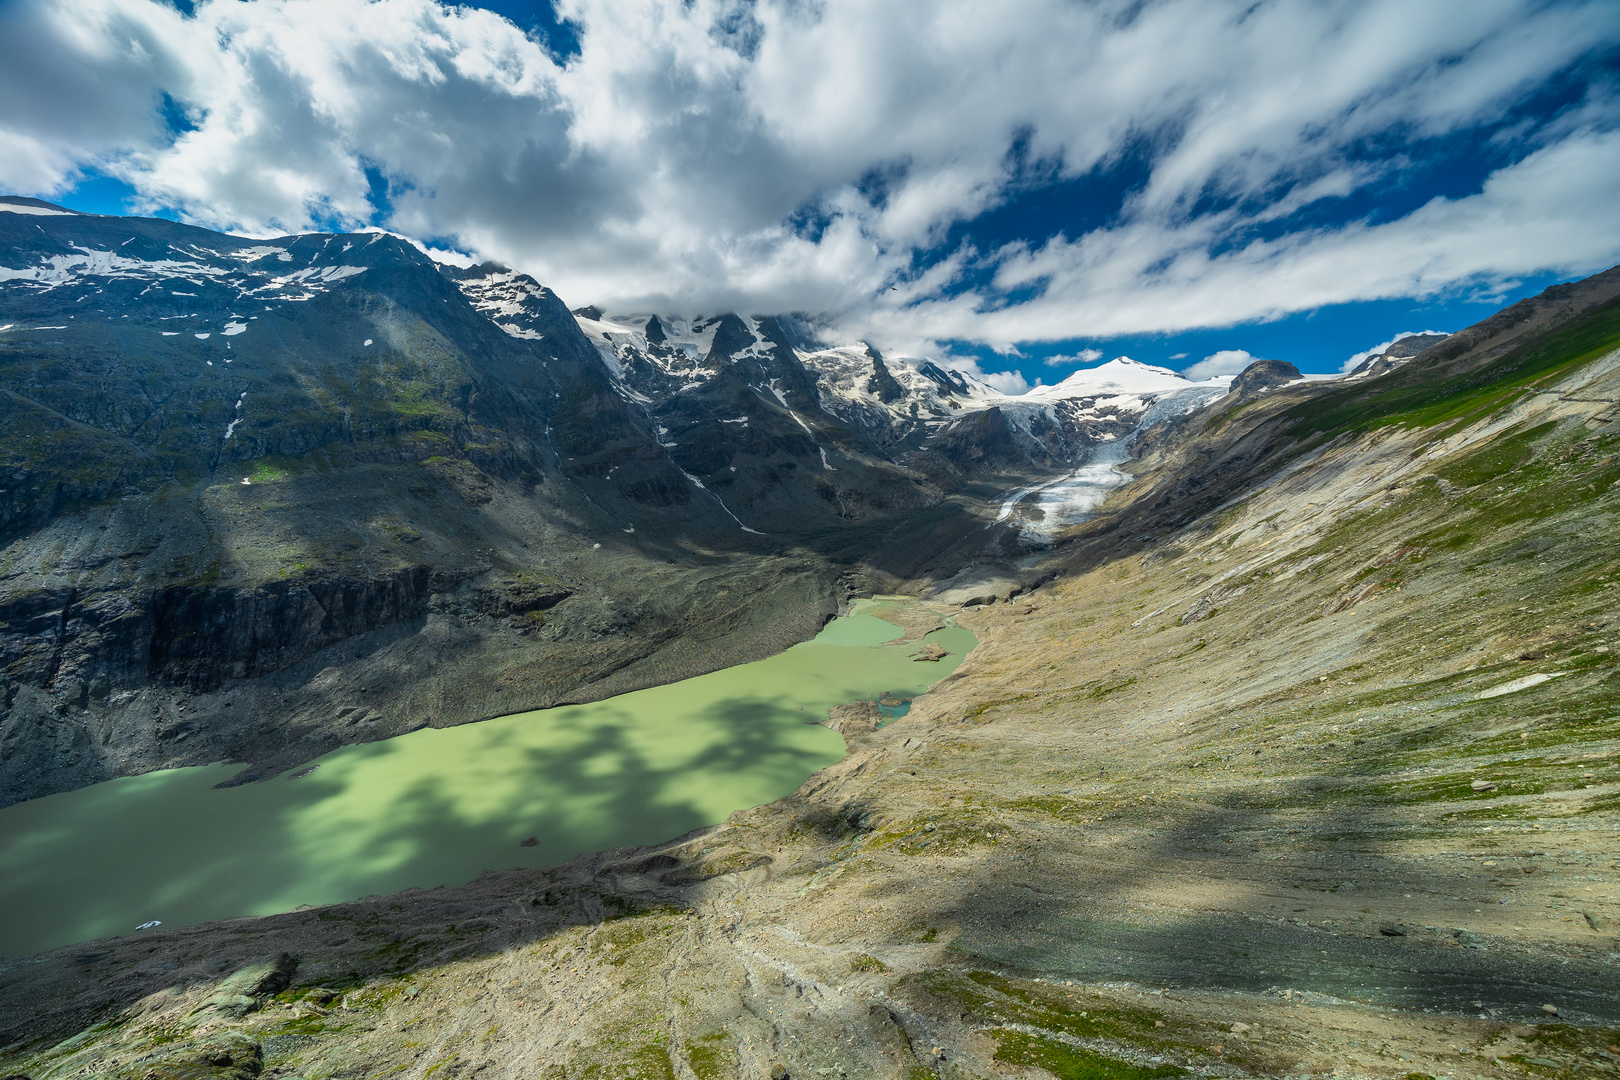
<point>440,806</point>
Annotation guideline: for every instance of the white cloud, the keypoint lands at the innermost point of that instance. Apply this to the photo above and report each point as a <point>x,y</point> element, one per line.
<point>814,163</point>
<point>1008,382</point>
<point>1084,356</point>
<point>1178,356</point>
<point>1225,362</point>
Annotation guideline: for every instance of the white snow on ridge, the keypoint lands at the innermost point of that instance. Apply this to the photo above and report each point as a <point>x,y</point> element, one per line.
<point>36,211</point>
<point>320,274</point>
<point>1120,376</point>
<point>507,299</point>
<point>253,254</point>
<point>686,342</point>
<point>54,271</point>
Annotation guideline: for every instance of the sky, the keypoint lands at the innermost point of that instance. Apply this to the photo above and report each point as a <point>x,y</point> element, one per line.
<point>1021,188</point>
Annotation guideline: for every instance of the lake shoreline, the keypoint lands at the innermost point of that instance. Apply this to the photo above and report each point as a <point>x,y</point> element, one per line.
<point>438,806</point>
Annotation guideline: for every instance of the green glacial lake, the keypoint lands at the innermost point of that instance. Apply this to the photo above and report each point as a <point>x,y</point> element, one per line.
<point>439,807</point>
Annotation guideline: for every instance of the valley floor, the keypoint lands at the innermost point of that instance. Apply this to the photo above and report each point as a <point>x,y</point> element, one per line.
<point>1278,797</point>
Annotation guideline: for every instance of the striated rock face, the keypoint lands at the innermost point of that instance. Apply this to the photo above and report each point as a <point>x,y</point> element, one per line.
<point>203,636</point>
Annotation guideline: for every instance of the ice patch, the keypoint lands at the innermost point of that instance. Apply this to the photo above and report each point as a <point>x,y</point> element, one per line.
<point>777,390</point>
<point>513,330</point>
<point>56,270</point>
<point>366,342</point>
<point>201,337</point>
<point>233,328</point>
<point>230,428</point>
<point>699,485</point>
<point>825,464</point>
<point>323,275</point>
<point>253,254</point>
<point>169,333</point>
<point>50,328</point>
<point>1519,684</point>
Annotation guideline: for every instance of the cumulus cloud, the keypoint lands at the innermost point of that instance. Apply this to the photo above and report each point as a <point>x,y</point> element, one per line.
<point>704,155</point>
<point>1008,382</point>
<point>1084,356</point>
<point>1225,362</point>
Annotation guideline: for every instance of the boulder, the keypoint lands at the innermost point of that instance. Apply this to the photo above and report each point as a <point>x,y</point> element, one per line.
<point>853,720</point>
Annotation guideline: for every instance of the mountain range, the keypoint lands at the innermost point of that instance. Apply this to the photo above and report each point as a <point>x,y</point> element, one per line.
<point>247,480</point>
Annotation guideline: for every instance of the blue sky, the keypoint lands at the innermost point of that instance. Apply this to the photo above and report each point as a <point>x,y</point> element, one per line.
<point>1002,187</point>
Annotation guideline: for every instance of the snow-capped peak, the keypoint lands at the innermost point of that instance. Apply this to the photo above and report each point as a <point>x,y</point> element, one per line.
<point>1121,375</point>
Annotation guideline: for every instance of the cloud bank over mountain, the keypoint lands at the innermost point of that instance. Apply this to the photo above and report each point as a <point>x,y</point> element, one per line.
<point>1038,170</point>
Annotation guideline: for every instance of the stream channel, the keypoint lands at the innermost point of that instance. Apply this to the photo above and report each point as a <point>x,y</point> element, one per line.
<point>439,806</point>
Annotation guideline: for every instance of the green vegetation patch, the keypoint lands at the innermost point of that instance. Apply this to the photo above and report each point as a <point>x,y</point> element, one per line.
<point>1070,1062</point>
<point>1500,456</point>
<point>1564,1049</point>
<point>953,833</point>
<point>268,470</point>
<point>996,999</point>
<point>709,1058</point>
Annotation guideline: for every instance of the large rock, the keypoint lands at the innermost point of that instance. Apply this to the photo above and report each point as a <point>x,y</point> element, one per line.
<point>1263,375</point>
<point>854,719</point>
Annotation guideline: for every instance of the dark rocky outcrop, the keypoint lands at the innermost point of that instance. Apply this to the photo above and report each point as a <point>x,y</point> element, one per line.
<point>883,384</point>
<point>1399,351</point>
<point>980,440</point>
<point>203,636</point>
<point>1263,375</point>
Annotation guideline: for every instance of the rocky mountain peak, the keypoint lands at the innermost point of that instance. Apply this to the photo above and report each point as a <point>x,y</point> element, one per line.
<point>1263,375</point>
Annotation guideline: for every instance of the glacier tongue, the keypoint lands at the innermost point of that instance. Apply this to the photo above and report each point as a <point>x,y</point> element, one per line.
<point>1042,511</point>
<point>1070,499</point>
